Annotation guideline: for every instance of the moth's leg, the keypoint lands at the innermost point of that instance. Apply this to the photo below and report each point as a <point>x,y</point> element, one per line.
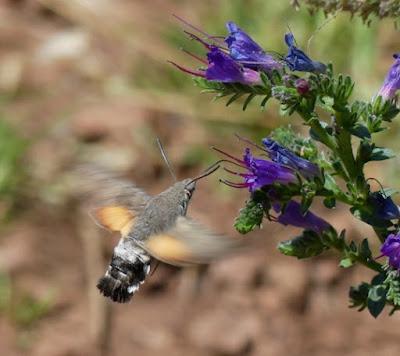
<point>100,313</point>
<point>190,282</point>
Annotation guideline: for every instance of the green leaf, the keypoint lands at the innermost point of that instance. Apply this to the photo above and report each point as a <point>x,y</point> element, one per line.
<point>330,184</point>
<point>330,202</point>
<point>306,245</point>
<point>248,100</point>
<point>233,98</point>
<point>361,131</point>
<point>265,80</point>
<point>264,101</point>
<point>364,250</point>
<point>346,262</point>
<point>388,192</point>
<point>250,217</point>
<point>380,154</point>
<point>359,295</point>
<point>326,103</point>
<point>376,300</point>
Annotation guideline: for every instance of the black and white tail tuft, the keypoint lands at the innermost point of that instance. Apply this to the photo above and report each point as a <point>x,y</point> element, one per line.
<point>123,278</point>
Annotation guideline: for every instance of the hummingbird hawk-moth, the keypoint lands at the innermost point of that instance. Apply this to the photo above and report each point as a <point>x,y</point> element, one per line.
<point>150,227</point>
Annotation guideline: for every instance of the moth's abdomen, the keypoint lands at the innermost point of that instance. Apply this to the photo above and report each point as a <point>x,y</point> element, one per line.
<point>123,278</point>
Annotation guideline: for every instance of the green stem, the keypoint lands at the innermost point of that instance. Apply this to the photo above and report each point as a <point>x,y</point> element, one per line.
<point>344,149</point>
<point>312,120</point>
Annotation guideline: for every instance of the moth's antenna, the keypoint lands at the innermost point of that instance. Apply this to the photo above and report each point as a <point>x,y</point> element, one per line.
<point>164,156</point>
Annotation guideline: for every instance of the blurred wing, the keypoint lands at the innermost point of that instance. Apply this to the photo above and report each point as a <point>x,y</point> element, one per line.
<point>188,243</point>
<point>114,218</point>
<point>114,201</point>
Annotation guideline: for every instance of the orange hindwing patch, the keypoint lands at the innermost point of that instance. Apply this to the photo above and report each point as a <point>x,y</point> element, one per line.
<point>168,248</point>
<point>115,218</point>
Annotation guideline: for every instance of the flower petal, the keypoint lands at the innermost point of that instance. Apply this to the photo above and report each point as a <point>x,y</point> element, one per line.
<point>244,49</point>
<point>224,69</point>
<point>392,80</point>
<point>297,60</point>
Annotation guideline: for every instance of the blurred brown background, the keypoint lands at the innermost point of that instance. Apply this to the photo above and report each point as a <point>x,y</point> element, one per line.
<point>88,80</point>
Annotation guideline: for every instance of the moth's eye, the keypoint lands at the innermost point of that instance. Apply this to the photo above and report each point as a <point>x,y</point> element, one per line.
<point>188,194</point>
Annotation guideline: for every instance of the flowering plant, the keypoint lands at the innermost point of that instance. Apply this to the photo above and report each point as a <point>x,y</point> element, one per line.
<point>285,173</point>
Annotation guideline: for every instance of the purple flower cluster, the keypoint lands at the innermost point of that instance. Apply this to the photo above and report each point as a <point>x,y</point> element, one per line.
<point>237,58</point>
<point>283,167</point>
<point>391,249</point>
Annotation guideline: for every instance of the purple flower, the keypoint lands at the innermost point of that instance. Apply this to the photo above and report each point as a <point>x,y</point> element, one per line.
<point>222,68</point>
<point>391,249</point>
<point>296,59</point>
<point>293,216</point>
<point>245,50</point>
<point>392,80</point>
<point>384,207</point>
<point>284,156</point>
<point>259,172</point>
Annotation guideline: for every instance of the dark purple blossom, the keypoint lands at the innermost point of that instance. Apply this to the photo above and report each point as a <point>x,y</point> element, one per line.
<point>222,68</point>
<point>384,207</point>
<point>245,50</point>
<point>292,215</point>
<point>392,80</point>
<point>391,249</point>
<point>259,172</point>
<point>297,60</point>
<point>284,156</point>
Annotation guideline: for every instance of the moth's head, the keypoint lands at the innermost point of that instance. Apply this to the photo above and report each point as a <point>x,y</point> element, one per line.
<point>184,189</point>
<point>189,186</point>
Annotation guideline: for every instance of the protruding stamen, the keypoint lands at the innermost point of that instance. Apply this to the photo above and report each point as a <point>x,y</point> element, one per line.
<point>195,57</point>
<point>186,70</point>
<point>197,38</point>
<point>231,162</point>
<point>241,138</point>
<point>230,156</point>
<point>235,173</point>
<point>205,34</point>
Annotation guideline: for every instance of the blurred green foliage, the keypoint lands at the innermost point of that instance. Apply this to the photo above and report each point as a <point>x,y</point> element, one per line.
<point>12,148</point>
<point>24,310</point>
<point>365,9</point>
<point>29,310</point>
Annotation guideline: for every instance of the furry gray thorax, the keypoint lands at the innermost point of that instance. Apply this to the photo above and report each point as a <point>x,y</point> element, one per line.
<point>162,210</point>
